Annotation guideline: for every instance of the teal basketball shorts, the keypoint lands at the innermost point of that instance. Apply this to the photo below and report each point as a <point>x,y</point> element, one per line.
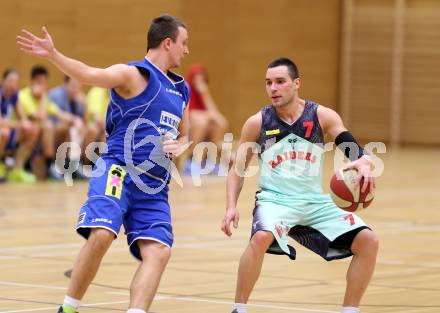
<point>313,221</point>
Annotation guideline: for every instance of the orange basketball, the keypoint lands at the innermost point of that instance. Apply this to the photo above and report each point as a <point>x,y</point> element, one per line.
<point>346,195</point>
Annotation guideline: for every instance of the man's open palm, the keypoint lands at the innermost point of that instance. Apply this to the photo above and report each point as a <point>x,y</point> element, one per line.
<point>29,43</point>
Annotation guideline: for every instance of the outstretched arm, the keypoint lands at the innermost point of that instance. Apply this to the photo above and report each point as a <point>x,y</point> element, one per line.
<point>333,126</point>
<point>118,76</point>
<point>235,181</point>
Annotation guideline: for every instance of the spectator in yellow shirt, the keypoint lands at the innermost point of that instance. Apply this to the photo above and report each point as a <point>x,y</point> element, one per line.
<point>52,122</point>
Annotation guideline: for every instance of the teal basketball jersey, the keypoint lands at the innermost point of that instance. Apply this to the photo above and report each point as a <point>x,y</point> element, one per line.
<point>291,156</point>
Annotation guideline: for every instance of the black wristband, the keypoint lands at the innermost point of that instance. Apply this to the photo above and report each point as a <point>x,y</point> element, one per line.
<point>346,142</point>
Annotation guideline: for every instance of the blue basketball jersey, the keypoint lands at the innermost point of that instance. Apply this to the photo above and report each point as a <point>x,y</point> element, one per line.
<point>7,105</point>
<point>135,126</point>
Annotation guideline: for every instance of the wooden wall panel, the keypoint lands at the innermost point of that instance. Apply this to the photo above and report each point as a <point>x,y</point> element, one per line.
<point>371,70</point>
<point>9,26</point>
<point>372,64</point>
<point>97,32</point>
<point>421,79</point>
<point>32,15</point>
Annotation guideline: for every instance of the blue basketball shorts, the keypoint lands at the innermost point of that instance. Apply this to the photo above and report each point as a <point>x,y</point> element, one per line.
<point>116,199</point>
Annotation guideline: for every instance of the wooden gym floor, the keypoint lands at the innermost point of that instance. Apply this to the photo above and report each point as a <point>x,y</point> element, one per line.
<point>38,245</point>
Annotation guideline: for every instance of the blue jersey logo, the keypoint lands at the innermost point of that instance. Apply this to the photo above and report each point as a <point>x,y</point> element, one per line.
<point>169,119</point>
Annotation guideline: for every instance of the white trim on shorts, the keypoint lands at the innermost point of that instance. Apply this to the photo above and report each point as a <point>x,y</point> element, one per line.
<point>97,226</point>
<point>154,224</point>
<point>148,238</point>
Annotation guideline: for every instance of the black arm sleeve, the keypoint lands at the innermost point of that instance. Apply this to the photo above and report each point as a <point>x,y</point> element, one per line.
<point>346,142</point>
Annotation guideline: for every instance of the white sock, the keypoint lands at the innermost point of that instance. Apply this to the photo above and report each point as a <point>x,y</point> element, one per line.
<point>240,307</point>
<point>135,311</point>
<point>350,309</point>
<point>73,303</point>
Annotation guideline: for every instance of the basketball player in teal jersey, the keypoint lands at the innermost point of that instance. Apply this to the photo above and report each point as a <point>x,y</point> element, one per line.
<point>147,122</point>
<point>290,135</point>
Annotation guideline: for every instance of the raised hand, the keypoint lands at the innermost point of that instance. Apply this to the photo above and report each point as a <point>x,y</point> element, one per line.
<point>42,47</point>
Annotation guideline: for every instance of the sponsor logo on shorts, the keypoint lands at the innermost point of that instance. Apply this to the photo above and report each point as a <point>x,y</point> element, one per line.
<point>102,220</point>
<point>115,180</point>
<point>254,225</point>
<point>81,218</point>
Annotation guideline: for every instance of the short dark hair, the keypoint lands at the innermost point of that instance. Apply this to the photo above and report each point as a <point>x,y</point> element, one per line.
<point>38,70</point>
<point>291,67</point>
<point>8,72</point>
<point>161,28</point>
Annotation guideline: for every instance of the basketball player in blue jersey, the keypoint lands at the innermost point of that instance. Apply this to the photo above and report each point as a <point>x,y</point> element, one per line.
<point>290,135</point>
<point>146,126</point>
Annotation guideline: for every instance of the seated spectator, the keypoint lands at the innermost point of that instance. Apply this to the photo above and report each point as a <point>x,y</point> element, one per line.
<point>207,123</point>
<point>18,135</point>
<point>70,100</point>
<point>42,112</point>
